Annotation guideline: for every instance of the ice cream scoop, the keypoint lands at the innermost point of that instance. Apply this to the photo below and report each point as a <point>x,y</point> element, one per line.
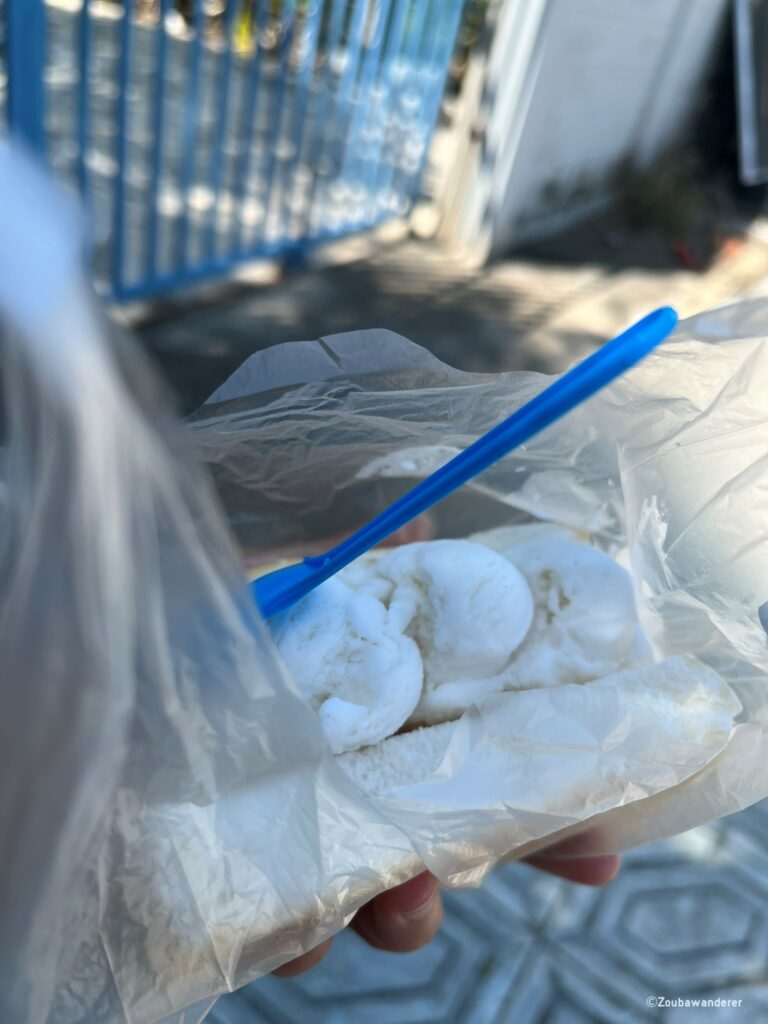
<point>357,669</point>
<point>585,625</point>
<point>467,607</point>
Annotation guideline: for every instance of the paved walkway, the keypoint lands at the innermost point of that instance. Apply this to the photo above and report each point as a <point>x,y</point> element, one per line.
<point>518,314</point>
<point>686,918</point>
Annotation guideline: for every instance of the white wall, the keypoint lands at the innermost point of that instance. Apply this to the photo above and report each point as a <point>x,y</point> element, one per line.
<point>572,88</point>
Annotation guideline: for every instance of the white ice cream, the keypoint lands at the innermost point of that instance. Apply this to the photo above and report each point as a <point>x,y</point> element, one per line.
<point>419,634</point>
<point>467,608</point>
<point>360,672</point>
<point>585,625</point>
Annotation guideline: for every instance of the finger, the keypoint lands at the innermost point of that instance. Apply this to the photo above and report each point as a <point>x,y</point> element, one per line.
<point>585,844</point>
<point>303,963</point>
<point>403,919</point>
<point>596,870</point>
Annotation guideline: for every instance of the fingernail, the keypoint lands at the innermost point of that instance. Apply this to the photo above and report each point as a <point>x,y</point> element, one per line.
<point>423,911</point>
<point>412,896</point>
<point>391,925</point>
<point>406,918</point>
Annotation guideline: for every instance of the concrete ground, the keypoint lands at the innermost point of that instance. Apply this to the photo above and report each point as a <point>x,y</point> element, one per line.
<point>517,314</point>
<point>686,919</point>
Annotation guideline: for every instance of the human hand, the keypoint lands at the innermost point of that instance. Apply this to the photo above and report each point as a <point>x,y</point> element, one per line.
<point>409,916</point>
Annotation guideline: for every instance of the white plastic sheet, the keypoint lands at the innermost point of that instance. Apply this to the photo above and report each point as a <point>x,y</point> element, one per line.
<point>173,825</point>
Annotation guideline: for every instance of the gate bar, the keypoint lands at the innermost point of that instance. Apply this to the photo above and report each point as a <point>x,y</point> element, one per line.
<point>25,43</point>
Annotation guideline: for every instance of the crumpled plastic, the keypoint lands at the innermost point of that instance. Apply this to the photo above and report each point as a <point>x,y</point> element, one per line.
<point>173,823</point>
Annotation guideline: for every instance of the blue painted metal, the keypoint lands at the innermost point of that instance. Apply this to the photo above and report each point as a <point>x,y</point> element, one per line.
<point>247,127</point>
<point>355,137</point>
<point>188,276</point>
<point>152,239</point>
<point>82,96</point>
<point>190,123</point>
<point>342,109</point>
<point>439,70</point>
<point>25,44</point>
<point>216,162</point>
<point>119,207</point>
<point>308,43</point>
<point>322,133</point>
<point>383,112</point>
<point>405,95</point>
<point>287,27</point>
<point>323,114</point>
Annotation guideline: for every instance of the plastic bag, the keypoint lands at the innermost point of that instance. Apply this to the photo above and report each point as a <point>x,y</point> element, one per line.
<point>669,461</point>
<point>173,824</point>
<point>140,688</point>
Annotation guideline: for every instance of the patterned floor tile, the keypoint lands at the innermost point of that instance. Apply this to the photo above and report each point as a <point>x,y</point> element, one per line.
<point>358,983</point>
<point>687,918</point>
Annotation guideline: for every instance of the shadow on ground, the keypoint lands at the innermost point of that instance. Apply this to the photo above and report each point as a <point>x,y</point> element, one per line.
<point>480,322</point>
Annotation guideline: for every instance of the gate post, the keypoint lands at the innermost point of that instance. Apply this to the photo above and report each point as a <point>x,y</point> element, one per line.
<point>25,44</point>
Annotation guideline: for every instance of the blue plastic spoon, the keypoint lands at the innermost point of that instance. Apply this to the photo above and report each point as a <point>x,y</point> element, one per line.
<point>284,587</point>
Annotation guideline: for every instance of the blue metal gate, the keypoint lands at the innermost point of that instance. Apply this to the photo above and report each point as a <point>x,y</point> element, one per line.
<point>202,134</point>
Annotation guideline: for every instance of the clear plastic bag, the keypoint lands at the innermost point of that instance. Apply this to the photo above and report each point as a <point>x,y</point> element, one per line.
<point>669,462</point>
<point>173,823</point>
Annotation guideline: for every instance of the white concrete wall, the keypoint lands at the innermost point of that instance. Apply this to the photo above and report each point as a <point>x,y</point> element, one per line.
<point>570,90</point>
